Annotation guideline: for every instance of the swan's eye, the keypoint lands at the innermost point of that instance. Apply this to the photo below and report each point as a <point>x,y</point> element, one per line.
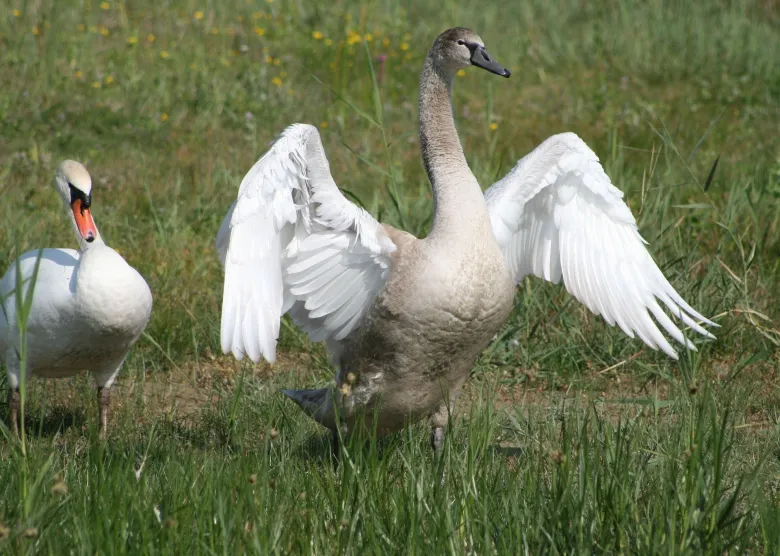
<point>461,42</point>
<point>78,194</point>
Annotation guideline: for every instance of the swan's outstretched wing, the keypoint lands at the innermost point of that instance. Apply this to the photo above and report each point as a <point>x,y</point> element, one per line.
<point>293,242</point>
<point>556,214</point>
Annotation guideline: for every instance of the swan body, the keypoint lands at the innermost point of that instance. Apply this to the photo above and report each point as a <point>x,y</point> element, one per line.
<point>88,306</point>
<point>404,318</point>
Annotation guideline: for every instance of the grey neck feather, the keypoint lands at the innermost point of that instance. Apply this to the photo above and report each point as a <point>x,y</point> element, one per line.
<point>459,206</point>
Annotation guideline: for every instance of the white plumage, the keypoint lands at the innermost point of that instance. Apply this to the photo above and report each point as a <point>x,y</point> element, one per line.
<point>88,307</point>
<point>293,242</point>
<point>557,214</point>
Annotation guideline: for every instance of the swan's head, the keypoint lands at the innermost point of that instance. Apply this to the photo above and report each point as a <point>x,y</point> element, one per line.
<point>459,48</point>
<point>75,187</point>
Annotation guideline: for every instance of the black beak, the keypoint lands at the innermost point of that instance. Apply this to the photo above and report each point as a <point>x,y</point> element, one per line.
<point>481,59</point>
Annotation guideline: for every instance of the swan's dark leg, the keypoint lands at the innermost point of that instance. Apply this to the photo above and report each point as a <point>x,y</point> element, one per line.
<point>14,401</point>
<point>437,439</point>
<point>440,418</point>
<point>104,400</point>
<point>438,421</point>
<point>335,444</point>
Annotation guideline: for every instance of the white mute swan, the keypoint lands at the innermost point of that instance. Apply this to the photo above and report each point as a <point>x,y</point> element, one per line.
<point>88,308</point>
<point>404,318</point>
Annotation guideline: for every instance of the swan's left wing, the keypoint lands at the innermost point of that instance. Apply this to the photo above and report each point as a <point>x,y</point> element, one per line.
<point>557,215</point>
<point>293,243</point>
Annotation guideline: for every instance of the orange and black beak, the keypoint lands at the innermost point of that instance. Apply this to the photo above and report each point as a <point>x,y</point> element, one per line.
<point>79,204</point>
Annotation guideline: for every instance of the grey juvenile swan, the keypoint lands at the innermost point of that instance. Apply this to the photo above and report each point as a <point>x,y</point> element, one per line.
<point>404,318</point>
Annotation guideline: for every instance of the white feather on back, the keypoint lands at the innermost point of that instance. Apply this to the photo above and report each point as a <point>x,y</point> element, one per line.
<point>557,215</point>
<point>292,242</point>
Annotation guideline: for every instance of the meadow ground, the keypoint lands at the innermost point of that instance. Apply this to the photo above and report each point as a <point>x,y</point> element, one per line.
<point>571,438</point>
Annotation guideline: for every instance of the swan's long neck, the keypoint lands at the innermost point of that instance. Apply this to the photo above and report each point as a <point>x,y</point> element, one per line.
<point>458,203</point>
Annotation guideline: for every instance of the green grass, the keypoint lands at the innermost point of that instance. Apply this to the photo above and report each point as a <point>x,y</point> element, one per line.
<point>572,438</point>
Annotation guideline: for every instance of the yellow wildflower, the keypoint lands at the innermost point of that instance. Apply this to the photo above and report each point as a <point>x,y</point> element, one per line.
<point>276,61</point>
<point>132,40</point>
<point>198,15</point>
<point>214,31</point>
<point>193,67</point>
<point>104,30</point>
<point>163,117</point>
<point>79,74</point>
<point>368,37</point>
<point>277,81</point>
<point>493,126</point>
<point>385,42</point>
<point>104,5</point>
<point>36,31</point>
<point>96,84</point>
<point>17,13</point>
<point>259,31</point>
<point>404,46</point>
<point>109,80</point>
<point>328,42</point>
<point>257,15</point>
<point>323,125</point>
<point>409,56</point>
<point>270,1</point>
<point>150,37</point>
<point>164,54</point>
<point>352,37</point>
<point>317,35</point>
<point>461,73</point>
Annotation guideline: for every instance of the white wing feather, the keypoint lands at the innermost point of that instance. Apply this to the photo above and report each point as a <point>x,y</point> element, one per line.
<point>293,242</point>
<point>556,214</point>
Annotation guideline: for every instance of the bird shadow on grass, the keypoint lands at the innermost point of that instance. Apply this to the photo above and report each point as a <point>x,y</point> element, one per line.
<point>508,451</point>
<point>54,420</point>
<point>321,447</point>
<point>318,447</point>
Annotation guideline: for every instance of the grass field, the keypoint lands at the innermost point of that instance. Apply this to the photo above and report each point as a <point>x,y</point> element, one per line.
<point>571,438</point>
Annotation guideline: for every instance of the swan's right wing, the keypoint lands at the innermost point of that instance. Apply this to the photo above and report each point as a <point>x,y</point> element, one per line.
<point>293,242</point>
<point>556,215</point>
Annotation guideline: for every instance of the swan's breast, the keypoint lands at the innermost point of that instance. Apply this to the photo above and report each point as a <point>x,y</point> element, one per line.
<point>65,335</point>
<point>426,330</point>
<point>112,296</point>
